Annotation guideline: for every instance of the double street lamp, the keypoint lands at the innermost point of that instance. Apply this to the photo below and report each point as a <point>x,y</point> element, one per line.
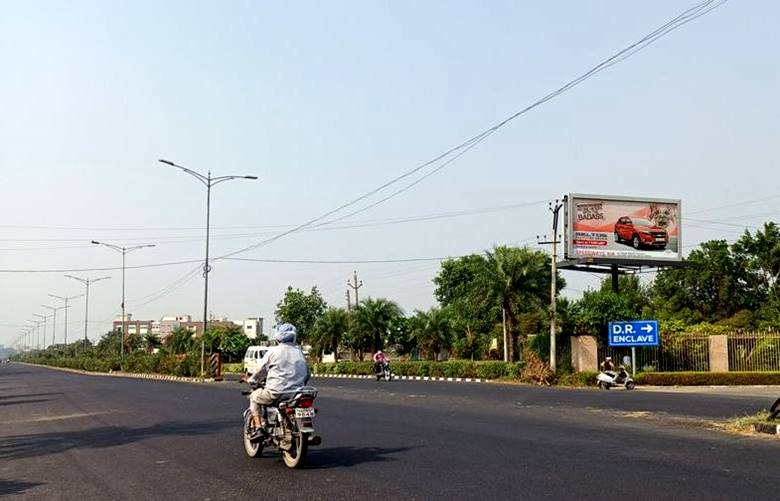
<point>38,330</point>
<point>65,299</point>
<point>208,182</point>
<point>86,282</point>
<point>124,251</point>
<point>53,322</point>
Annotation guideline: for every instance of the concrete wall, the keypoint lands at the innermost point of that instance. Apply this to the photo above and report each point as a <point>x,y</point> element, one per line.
<point>584,356</point>
<point>719,353</point>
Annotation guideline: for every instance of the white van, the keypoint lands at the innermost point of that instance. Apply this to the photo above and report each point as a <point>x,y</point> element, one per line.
<point>254,355</point>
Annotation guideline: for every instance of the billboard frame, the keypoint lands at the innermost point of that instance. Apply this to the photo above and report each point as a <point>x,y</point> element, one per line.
<point>573,262</point>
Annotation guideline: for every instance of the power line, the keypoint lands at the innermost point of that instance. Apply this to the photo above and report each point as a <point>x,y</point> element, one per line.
<point>355,224</point>
<point>685,17</point>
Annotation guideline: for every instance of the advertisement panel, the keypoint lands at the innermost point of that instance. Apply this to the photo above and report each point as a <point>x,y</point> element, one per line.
<point>622,229</point>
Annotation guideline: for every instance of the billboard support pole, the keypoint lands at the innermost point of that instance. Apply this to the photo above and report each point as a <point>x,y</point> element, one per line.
<point>555,209</point>
<point>615,278</point>
<point>633,361</point>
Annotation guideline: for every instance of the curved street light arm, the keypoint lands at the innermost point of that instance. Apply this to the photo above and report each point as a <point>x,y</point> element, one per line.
<point>200,177</point>
<point>217,180</point>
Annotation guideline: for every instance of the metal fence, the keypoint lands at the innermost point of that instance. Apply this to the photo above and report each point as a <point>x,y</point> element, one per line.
<point>683,353</point>
<point>754,352</point>
<point>747,351</point>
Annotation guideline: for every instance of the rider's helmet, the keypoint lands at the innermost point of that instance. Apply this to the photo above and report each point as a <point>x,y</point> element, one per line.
<point>285,333</point>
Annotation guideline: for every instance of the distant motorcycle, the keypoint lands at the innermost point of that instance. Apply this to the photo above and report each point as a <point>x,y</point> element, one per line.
<point>383,372</point>
<point>289,426</point>
<point>611,379</point>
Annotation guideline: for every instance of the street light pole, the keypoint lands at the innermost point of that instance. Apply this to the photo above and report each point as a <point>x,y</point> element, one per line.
<point>86,282</point>
<point>208,182</point>
<point>38,337</point>
<point>124,251</point>
<point>65,299</point>
<point>53,321</point>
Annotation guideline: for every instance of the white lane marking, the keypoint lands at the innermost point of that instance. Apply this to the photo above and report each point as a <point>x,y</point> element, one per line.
<point>40,419</point>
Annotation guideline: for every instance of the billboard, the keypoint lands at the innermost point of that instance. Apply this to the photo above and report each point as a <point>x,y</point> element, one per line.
<point>611,229</point>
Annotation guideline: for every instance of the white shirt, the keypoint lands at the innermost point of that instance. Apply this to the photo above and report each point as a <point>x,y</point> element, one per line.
<point>283,368</point>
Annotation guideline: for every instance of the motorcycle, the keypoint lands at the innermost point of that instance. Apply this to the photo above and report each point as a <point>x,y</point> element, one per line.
<point>611,379</point>
<point>383,372</point>
<point>289,426</point>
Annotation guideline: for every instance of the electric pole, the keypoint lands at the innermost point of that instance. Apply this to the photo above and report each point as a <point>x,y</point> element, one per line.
<point>555,208</point>
<point>354,286</point>
<point>349,302</point>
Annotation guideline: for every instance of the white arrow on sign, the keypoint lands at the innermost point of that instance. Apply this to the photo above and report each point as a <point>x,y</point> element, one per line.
<point>648,328</point>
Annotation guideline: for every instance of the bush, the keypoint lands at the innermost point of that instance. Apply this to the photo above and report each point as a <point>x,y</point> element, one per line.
<point>708,378</point>
<point>233,368</point>
<point>450,368</point>
<point>585,378</point>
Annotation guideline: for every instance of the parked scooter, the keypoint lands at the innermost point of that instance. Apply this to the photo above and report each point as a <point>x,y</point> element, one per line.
<point>611,379</point>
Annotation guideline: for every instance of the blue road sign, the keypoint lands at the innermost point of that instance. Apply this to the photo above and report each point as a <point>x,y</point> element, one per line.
<point>633,333</point>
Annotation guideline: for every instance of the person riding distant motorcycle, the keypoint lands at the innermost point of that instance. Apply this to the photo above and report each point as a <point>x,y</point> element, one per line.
<point>283,369</point>
<point>380,359</point>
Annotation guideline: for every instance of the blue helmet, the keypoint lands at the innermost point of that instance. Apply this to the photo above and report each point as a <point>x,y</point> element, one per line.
<point>285,333</point>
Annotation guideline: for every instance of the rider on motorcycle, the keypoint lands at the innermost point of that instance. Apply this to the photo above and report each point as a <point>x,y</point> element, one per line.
<point>379,360</point>
<point>283,368</point>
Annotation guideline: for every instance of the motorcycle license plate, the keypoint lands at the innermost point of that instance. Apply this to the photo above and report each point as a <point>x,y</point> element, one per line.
<point>304,413</point>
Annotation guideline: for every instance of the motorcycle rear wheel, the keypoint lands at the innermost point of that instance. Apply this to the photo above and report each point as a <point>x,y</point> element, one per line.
<point>630,385</point>
<point>253,449</point>
<point>295,457</point>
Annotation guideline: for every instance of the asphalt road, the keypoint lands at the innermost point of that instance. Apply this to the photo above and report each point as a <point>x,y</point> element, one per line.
<point>70,436</point>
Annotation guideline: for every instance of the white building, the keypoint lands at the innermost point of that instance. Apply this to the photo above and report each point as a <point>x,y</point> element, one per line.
<point>253,326</point>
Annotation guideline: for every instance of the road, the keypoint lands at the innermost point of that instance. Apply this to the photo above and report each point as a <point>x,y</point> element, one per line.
<point>71,436</point>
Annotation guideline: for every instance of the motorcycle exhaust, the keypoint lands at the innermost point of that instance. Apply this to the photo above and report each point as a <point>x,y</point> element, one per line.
<point>315,440</point>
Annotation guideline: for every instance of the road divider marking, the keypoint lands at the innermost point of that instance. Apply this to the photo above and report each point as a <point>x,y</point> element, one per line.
<point>408,378</point>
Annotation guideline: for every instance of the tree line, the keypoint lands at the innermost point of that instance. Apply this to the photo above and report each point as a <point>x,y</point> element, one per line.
<point>722,286</point>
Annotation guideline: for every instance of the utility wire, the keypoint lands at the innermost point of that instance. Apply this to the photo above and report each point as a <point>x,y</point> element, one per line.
<point>685,17</point>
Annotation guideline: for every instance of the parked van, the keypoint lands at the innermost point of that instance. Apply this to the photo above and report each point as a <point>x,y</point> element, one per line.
<point>254,355</point>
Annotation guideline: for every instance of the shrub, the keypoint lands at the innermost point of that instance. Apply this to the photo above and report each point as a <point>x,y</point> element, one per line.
<point>585,378</point>
<point>708,378</point>
<point>450,368</point>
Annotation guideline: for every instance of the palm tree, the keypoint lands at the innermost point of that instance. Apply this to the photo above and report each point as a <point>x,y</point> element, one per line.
<point>179,341</point>
<point>329,331</point>
<point>151,341</point>
<point>371,323</point>
<point>518,280</point>
<point>432,331</point>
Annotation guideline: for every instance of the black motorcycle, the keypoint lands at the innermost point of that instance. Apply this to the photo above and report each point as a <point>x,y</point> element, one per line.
<point>289,426</point>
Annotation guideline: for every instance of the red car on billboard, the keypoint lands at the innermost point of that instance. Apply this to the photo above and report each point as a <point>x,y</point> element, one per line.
<point>640,233</point>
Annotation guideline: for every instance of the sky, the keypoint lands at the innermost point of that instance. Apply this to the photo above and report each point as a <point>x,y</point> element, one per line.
<point>324,101</point>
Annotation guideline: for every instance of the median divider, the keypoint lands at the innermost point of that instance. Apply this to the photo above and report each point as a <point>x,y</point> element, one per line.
<point>133,375</point>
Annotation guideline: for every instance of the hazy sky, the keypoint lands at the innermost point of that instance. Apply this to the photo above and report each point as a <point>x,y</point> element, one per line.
<point>326,100</point>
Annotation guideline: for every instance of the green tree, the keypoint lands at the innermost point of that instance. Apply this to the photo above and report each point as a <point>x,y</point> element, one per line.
<point>329,331</point>
<point>599,307</point>
<point>179,341</point>
<point>517,280</point>
<point>301,309</point>
<point>371,323</point>
<point>715,284</point>
<point>109,344</point>
<point>151,341</point>
<point>762,250</point>
<point>432,331</point>
<point>232,342</point>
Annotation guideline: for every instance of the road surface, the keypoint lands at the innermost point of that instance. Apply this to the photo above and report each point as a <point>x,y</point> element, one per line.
<point>71,436</point>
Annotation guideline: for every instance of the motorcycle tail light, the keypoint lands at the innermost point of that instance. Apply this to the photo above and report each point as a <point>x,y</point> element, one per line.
<point>305,402</point>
